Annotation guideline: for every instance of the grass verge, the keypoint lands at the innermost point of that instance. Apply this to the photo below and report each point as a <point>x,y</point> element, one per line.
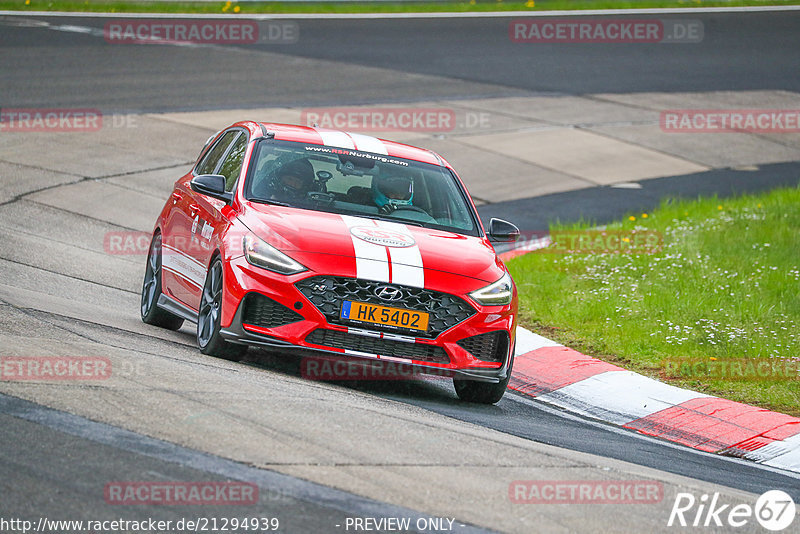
<point>716,309</point>
<point>422,6</point>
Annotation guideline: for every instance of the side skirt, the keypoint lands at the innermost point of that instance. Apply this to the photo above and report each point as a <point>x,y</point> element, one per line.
<point>177,308</point>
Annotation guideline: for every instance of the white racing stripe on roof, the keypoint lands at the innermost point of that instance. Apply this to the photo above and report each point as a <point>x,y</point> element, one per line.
<point>335,138</point>
<point>368,143</point>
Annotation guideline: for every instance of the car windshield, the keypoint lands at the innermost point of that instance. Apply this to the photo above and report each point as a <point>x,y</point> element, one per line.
<point>358,183</point>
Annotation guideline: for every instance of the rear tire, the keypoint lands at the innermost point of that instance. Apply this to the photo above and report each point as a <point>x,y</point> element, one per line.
<point>208,319</point>
<point>151,290</point>
<point>483,392</point>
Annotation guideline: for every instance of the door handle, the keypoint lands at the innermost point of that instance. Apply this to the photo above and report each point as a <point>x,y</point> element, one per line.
<point>176,197</point>
<point>194,208</point>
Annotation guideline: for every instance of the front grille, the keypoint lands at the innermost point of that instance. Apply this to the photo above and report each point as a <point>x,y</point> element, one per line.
<point>328,292</point>
<point>489,347</point>
<point>374,345</point>
<point>265,312</point>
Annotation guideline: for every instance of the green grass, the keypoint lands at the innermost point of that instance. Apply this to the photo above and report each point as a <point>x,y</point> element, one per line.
<point>724,287</point>
<point>244,8</point>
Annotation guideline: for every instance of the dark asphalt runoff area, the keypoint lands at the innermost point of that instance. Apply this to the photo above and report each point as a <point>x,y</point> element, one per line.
<point>605,204</point>
<point>359,61</point>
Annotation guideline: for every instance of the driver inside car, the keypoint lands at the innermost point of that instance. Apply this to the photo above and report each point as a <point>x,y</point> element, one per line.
<point>293,181</point>
<point>392,192</point>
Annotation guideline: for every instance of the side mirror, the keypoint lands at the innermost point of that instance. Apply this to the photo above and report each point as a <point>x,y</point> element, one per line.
<point>212,185</point>
<point>500,230</point>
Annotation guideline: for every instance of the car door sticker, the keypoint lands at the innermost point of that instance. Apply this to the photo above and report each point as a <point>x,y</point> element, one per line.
<point>181,264</point>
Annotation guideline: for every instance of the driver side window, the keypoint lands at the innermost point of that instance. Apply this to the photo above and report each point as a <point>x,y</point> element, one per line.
<point>211,160</point>
<point>232,165</point>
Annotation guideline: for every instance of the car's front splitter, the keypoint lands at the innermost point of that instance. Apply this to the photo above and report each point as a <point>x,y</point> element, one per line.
<point>238,333</point>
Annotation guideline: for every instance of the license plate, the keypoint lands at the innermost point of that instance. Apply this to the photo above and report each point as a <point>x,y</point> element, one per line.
<point>384,315</point>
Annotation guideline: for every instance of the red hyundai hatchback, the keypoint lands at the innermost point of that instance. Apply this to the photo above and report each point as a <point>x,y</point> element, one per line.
<point>291,237</point>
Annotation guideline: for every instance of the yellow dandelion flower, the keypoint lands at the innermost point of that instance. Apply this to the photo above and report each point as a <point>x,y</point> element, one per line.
<point>626,239</point>
<point>631,218</point>
<point>713,359</point>
<point>719,207</point>
<point>644,215</point>
<point>237,9</point>
<point>530,3</point>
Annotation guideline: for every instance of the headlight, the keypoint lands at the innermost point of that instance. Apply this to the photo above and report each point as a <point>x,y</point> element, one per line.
<point>499,293</point>
<point>262,255</point>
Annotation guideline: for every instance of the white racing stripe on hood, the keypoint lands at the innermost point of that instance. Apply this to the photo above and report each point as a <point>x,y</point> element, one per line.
<point>407,268</point>
<point>335,138</point>
<point>372,262</point>
<point>369,144</point>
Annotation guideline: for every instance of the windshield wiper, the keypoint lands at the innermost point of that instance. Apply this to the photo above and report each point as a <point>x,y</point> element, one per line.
<point>392,219</point>
<point>270,201</point>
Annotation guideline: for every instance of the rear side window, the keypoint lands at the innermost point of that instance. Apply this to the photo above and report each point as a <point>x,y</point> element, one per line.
<point>217,151</point>
<point>233,162</point>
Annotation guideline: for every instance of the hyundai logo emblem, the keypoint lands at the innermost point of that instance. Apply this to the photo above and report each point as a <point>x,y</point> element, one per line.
<point>388,293</point>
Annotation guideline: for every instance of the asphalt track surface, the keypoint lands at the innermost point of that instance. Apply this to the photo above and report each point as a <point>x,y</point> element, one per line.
<point>348,62</point>
<point>338,62</point>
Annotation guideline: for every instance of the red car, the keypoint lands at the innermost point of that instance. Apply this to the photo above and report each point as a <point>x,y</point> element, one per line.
<point>299,238</point>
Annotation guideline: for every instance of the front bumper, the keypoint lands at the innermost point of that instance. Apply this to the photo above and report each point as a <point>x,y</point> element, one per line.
<point>305,328</point>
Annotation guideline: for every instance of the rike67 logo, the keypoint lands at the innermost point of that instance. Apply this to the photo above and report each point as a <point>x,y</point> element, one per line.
<point>774,510</point>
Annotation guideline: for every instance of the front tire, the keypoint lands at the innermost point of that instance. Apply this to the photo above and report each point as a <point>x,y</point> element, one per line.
<point>483,392</point>
<point>208,319</point>
<point>151,290</point>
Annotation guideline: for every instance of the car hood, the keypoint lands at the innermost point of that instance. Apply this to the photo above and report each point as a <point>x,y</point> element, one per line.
<point>374,246</point>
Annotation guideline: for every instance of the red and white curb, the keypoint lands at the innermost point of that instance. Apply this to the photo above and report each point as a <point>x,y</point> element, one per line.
<point>557,375</point>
